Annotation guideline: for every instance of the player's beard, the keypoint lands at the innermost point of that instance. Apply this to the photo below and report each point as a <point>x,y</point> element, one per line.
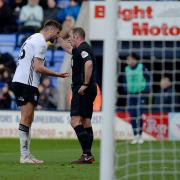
<point>52,40</point>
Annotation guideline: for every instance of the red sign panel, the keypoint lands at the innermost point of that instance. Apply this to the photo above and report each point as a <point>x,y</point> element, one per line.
<point>154,124</point>
<point>99,11</point>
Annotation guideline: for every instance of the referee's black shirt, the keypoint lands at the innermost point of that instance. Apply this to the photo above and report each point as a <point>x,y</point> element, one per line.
<point>79,56</point>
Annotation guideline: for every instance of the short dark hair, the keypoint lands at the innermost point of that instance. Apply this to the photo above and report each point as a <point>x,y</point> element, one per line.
<point>168,76</point>
<point>52,23</point>
<point>80,31</point>
<point>134,55</point>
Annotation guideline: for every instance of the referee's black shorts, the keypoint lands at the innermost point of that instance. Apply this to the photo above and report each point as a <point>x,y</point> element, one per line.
<point>82,105</point>
<point>25,93</point>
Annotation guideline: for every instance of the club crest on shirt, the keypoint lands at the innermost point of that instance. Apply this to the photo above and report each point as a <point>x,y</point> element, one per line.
<point>84,54</point>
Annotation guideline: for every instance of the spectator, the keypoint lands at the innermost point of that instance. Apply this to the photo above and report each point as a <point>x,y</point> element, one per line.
<point>51,11</point>
<point>6,76</point>
<point>166,100</point>
<point>5,99</point>
<point>16,5</point>
<point>48,95</point>
<point>72,10</point>
<point>31,17</point>
<point>7,61</point>
<point>137,79</point>
<point>7,21</point>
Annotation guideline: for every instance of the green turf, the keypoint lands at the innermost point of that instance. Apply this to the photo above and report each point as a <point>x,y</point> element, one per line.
<point>56,153</point>
<point>146,159</point>
<point>156,160</point>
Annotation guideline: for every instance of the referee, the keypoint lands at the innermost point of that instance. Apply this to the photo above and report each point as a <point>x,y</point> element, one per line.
<point>83,90</point>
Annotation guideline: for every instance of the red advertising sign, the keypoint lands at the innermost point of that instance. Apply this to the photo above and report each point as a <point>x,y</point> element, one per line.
<point>124,115</point>
<point>154,124</point>
<point>99,11</point>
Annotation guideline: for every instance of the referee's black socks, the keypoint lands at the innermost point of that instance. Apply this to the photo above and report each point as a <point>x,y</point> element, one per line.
<point>83,138</point>
<point>89,130</point>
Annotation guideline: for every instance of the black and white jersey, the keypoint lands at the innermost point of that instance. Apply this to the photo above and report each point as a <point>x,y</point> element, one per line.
<point>34,47</point>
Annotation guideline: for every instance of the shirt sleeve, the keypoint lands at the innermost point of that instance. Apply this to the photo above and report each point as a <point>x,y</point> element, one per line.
<point>85,55</point>
<point>40,51</point>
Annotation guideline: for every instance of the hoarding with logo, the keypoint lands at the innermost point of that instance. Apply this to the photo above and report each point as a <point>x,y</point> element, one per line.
<point>174,126</point>
<point>54,124</point>
<point>138,20</point>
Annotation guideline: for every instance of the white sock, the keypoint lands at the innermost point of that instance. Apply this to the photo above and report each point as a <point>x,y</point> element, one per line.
<point>23,136</point>
<point>29,140</point>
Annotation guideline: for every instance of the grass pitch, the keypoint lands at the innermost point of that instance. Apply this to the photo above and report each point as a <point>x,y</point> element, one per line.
<point>151,161</point>
<point>57,155</point>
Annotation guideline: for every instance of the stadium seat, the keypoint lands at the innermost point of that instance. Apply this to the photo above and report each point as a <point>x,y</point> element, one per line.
<point>49,56</point>
<point>58,55</point>
<point>6,49</point>
<point>15,53</point>
<point>125,45</point>
<point>177,53</point>
<point>19,39</point>
<point>54,62</point>
<point>7,39</point>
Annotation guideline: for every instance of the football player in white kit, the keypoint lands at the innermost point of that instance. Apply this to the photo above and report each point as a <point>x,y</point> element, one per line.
<point>26,81</point>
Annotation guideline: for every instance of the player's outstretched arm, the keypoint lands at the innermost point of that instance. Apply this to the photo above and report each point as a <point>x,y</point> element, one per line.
<point>65,45</point>
<point>40,68</point>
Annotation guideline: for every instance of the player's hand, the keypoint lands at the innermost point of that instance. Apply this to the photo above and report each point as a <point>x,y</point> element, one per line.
<point>64,75</point>
<point>81,90</point>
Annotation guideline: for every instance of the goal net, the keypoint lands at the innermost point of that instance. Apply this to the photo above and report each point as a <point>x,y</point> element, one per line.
<point>148,102</point>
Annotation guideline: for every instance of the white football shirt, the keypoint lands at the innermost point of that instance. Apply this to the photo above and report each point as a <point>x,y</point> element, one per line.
<point>34,46</point>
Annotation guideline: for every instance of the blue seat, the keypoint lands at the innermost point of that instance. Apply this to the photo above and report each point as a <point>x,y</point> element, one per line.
<point>56,67</point>
<point>7,39</point>
<point>49,55</point>
<point>125,45</point>
<point>16,53</point>
<point>177,53</point>
<point>58,56</point>
<point>6,49</point>
<point>19,39</point>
